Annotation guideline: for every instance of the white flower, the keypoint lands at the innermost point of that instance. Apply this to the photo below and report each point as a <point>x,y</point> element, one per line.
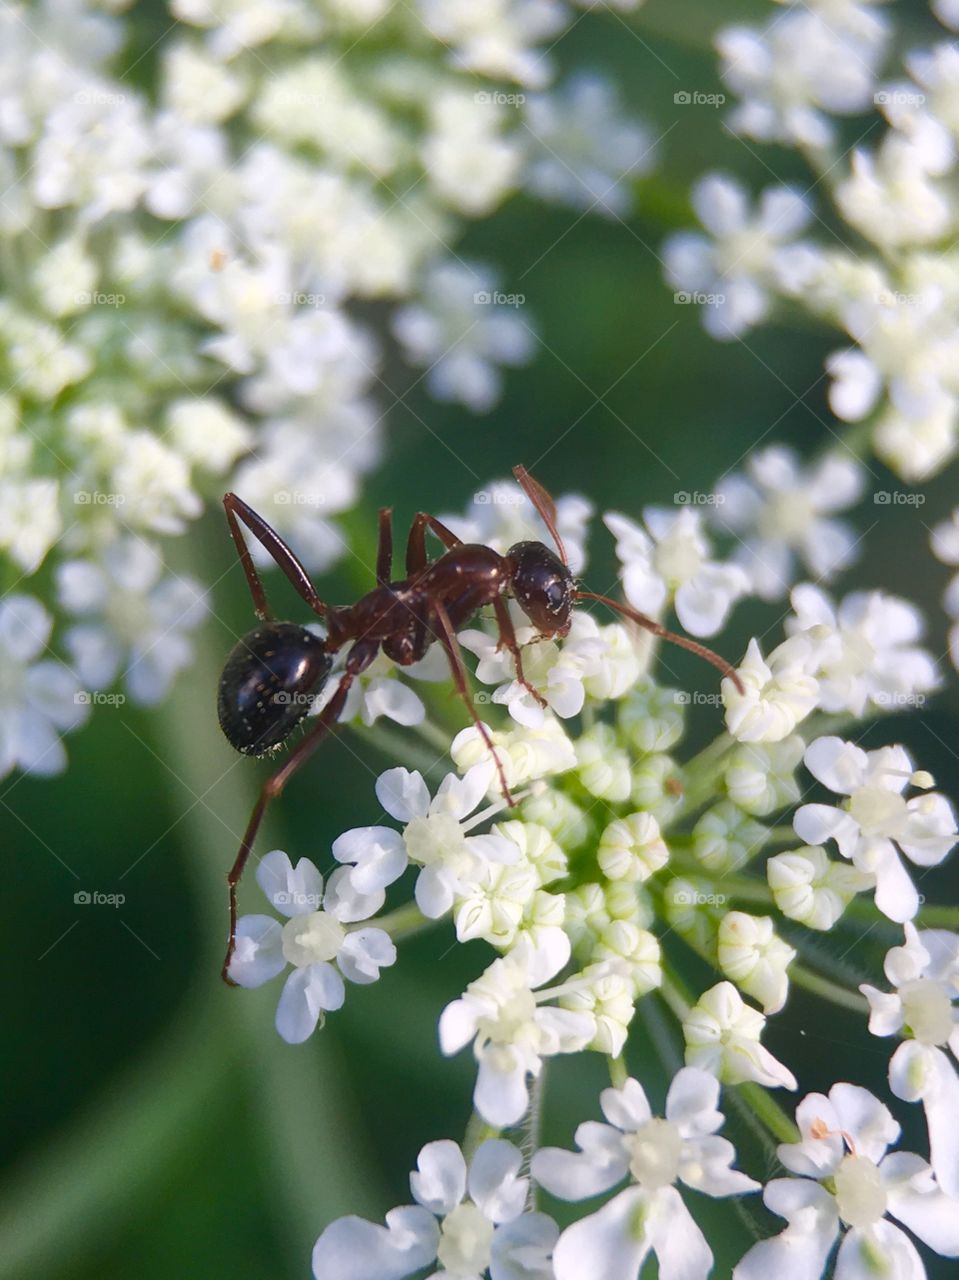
<point>925,974</point>
<point>649,1214</point>
<point>134,620</point>
<point>864,650</point>
<point>582,151</point>
<point>461,333</point>
<point>875,822</point>
<point>470,162</point>
<point>632,848</point>
<point>651,716</point>
<point>512,1030</point>
<point>847,1184</point>
<point>465,1220</point>
<point>891,197</point>
<point>40,698</point>
<point>725,838</point>
<point>755,958</point>
<point>749,257</point>
<point>496,37</point>
<point>799,68</point>
<point>603,765</point>
<point>784,512</point>
<point>812,889</point>
<point>722,1036</point>
<point>435,838</point>
<point>670,561</point>
<point>315,940</point>
<point>609,995</point>
<point>779,692</point>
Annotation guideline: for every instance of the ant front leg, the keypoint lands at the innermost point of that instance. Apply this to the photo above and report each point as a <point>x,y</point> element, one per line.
<point>451,644</point>
<point>416,560</point>
<point>507,640</point>
<point>358,659</point>
<point>384,549</point>
<point>237,510</point>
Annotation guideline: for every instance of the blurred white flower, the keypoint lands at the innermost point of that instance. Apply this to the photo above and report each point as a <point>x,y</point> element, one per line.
<point>722,1037</point>
<point>784,513</point>
<point>746,258</point>
<point>779,692</point>
<point>40,697</point>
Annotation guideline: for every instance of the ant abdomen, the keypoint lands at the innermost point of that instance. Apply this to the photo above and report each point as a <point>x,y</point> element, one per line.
<point>269,683</point>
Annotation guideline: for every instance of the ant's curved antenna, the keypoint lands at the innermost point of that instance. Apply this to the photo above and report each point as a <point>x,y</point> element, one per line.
<point>658,629</point>
<point>544,504</point>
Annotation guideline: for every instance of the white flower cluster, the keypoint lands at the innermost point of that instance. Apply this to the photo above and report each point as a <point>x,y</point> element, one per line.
<point>615,853</point>
<point>183,260</point>
<point>897,300</point>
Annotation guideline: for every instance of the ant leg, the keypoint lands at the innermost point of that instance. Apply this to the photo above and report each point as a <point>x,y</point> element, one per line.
<point>359,657</point>
<point>543,502</point>
<point>237,510</point>
<point>507,639</point>
<point>658,629</point>
<point>448,640</point>
<point>384,550</point>
<point>416,560</point>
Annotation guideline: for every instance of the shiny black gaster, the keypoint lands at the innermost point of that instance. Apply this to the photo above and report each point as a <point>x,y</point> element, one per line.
<point>269,683</point>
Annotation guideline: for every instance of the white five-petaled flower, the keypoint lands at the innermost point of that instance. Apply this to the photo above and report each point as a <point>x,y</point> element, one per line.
<point>512,1030</point>
<point>436,837</point>
<point>925,973</point>
<point>876,821</point>
<point>778,692</point>
<point>785,512</point>
<point>749,257</point>
<point>462,332</point>
<point>671,561</point>
<point>40,698</point>
<point>134,619</point>
<point>863,650</point>
<point>722,1036</point>
<point>655,1153</point>
<point>846,1185</point>
<point>315,940</point>
<point>465,1220</point>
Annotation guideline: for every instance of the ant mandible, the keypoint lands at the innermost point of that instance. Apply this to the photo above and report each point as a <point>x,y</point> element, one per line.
<point>276,671</point>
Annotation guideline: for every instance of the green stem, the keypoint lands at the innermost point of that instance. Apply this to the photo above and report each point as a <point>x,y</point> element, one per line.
<point>477,1131</point>
<point>617,1071</point>
<point>398,747</point>
<point>939,917</point>
<point>828,989</point>
<point>762,1104</point>
<point>404,922</point>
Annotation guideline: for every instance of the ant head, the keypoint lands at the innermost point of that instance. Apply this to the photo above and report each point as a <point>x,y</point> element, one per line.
<point>542,586</point>
<point>270,681</point>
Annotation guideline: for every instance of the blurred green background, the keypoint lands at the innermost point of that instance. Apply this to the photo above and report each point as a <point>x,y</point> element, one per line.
<point>154,1124</point>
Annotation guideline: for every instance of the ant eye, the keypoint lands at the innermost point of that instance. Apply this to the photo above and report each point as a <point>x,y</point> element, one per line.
<point>556,595</point>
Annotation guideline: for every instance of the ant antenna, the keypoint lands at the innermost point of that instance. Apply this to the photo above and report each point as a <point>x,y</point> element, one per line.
<point>544,504</point>
<point>659,630</point>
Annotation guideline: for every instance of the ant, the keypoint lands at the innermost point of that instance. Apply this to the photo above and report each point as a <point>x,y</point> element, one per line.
<point>276,671</point>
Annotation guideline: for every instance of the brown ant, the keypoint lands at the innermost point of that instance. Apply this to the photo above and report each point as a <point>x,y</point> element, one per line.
<point>276,671</point>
